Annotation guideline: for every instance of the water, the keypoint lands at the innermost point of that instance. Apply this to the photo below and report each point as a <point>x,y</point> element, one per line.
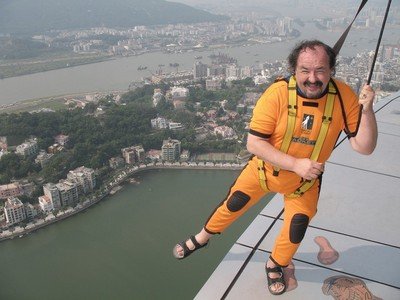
<point>121,247</point>
<point>117,74</point>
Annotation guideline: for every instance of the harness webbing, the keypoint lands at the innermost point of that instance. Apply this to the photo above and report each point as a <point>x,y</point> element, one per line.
<point>292,110</point>
<point>261,175</point>
<point>291,121</point>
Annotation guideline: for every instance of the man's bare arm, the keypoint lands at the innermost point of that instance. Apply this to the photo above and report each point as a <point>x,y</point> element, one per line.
<point>303,167</point>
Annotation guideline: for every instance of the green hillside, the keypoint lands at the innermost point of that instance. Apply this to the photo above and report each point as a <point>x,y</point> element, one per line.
<point>37,16</point>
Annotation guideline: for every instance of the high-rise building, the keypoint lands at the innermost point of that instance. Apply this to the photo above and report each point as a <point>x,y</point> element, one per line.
<point>51,191</point>
<point>232,71</point>
<point>68,192</point>
<point>171,150</point>
<point>14,211</point>
<point>84,178</point>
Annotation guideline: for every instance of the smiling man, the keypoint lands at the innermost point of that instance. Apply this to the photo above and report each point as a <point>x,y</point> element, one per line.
<point>293,131</point>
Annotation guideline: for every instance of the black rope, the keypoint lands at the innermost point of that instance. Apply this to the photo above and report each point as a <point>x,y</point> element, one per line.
<point>379,42</point>
<point>341,40</point>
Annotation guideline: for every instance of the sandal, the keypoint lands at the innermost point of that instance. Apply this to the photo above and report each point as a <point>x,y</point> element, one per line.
<point>272,281</point>
<point>186,250</point>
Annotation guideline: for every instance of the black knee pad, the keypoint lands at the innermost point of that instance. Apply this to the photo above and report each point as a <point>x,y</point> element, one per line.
<point>298,227</point>
<point>237,201</point>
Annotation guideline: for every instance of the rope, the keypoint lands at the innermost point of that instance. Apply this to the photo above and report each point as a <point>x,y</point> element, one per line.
<point>379,42</point>
<point>341,40</point>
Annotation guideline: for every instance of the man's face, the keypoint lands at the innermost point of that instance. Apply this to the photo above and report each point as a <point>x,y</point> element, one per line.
<point>313,72</point>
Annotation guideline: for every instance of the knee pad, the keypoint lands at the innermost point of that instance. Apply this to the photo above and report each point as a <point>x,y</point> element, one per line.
<point>298,227</point>
<point>237,201</point>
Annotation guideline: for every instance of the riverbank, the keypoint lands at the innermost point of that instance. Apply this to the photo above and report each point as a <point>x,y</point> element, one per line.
<point>27,67</point>
<point>109,188</point>
<point>52,103</point>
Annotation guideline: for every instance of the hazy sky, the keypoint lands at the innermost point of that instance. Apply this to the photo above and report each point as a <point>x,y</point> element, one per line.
<point>292,8</point>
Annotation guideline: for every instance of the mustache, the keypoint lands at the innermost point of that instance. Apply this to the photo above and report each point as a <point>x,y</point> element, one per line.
<point>317,83</point>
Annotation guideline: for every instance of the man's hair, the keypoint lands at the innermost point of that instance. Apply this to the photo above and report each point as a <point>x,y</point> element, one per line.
<point>303,45</point>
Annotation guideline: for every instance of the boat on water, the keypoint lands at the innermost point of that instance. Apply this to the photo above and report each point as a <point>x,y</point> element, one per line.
<point>140,68</point>
<point>198,57</point>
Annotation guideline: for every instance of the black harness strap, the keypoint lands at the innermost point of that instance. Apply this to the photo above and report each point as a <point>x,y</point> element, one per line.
<point>341,40</point>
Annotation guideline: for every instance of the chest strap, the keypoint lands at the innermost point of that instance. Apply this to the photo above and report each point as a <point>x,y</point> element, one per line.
<point>291,120</point>
<point>292,110</point>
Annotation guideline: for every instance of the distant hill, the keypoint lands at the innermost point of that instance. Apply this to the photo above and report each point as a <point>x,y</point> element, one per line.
<point>38,16</point>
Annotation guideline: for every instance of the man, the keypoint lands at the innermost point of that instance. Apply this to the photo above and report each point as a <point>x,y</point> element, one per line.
<point>293,131</point>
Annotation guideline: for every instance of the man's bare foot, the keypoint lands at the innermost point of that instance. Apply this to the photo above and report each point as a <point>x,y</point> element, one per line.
<point>275,276</point>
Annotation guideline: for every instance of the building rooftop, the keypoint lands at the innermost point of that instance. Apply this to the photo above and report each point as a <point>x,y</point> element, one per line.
<point>352,247</point>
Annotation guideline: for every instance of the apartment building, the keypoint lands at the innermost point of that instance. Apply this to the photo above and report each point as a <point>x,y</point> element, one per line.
<point>14,211</point>
<point>10,190</point>
<point>43,158</point>
<point>133,154</point>
<point>45,204</point>
<point>28,148</point>
<point>50,191</point>
<point>68,192</point>
<point>171,150</point>
<point>84,178</point>
<point>159,123</point>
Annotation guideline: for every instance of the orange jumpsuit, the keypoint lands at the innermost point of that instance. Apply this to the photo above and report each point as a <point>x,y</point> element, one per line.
<point>269,121</point>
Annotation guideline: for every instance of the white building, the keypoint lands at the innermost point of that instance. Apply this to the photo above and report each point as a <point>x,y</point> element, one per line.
<point>14,211</point>
<point>45,203</point>
<point>157,97</point>
<point>159,123</point>
<point>225,131</point>
<point>175,126</point>
<point>2,152</point>
<point>84,178</point>
<point>260,79</point>
<point>50,190</point>
<point>28,148</point>
<point>232,72</point>
<point>179,93</point>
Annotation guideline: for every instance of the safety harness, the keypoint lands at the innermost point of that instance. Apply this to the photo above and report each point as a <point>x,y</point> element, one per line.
<point>292,111</point>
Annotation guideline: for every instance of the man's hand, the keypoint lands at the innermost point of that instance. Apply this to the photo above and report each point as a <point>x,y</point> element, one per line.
<point>307,168</point>
<point>366,98</point>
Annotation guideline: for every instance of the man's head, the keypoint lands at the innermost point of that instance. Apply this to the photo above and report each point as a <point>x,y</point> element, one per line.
<point>313,64</point>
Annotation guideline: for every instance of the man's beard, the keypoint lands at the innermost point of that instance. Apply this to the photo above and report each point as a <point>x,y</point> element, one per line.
<point>316,83</point>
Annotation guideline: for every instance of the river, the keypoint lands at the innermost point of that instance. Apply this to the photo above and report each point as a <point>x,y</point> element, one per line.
<point>118,73</point>
<point>121,248</point>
